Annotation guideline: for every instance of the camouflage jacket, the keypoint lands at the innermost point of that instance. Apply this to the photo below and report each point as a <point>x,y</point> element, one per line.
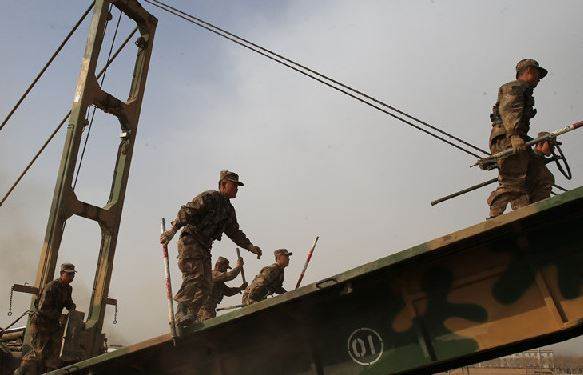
<point>207,217</point>
<point>512,112</point>
<point>54,296</point>
<point>219,289</point>
<point>269,281</point>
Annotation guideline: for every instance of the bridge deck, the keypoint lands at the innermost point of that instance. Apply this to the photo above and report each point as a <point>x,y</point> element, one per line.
<point>504,285</point>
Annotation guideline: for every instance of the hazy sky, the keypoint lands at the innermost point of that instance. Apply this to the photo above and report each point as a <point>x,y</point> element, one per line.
<point>314,162</point>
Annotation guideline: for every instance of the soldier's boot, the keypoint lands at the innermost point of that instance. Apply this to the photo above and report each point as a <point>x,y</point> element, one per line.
<point>521,201</point>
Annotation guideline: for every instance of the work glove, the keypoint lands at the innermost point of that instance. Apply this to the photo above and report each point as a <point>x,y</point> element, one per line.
<point>244,286</point>
<point>167,236</point>
<point>517,143</point>
<point>255,250</point>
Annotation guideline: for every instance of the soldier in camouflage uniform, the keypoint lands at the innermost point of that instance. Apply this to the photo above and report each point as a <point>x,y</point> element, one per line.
<point>523,176</point>
<point>221,275</point>
<point>269,280</point>
<point>204,220</point>
<point>46,328</point>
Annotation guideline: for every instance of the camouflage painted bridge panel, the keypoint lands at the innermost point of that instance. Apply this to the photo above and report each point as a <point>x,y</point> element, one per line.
<point>504,285</point>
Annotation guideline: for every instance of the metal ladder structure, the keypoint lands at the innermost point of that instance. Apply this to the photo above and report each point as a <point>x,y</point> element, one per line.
<point>87,339</point>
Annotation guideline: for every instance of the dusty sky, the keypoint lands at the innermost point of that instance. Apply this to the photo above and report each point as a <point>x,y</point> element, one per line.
<point>314,162</point>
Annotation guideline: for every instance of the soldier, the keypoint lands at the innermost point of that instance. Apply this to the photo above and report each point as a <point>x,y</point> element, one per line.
<point>204,220</point>
<point>45,327</point>
<point>523,176</point>
<point>269,280</point>
<point>221,275</point>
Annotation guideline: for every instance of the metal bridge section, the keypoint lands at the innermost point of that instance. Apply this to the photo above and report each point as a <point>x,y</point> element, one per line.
<point>65,204</point>
<point>502,286</point>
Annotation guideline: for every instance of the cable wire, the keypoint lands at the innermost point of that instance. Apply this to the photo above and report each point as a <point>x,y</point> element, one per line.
<point>52,135</point>
<point>316,76</point>
<point>45,67</point>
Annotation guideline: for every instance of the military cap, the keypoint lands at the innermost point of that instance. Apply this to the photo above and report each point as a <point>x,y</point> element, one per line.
<point>281,252</point>
<point>230,176</point>
<point>223,260</point>
<point>525,63</point>
<point>68,268</point>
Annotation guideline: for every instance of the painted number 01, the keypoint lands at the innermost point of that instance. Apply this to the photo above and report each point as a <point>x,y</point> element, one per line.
<point>365,346</point>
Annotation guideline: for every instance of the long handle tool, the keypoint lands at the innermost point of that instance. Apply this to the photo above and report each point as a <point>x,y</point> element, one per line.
<point>169,294</point>
<point>310,252</point>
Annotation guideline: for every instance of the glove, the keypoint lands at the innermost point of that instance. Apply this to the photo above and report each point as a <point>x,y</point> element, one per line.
<point>517,143</point>
<point>167,236</point>
<point>255,250</point>
<point>244,286</point>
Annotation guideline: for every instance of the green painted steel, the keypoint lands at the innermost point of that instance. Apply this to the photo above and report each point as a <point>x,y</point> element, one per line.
<point>65,203</point>
<point>501,286</point>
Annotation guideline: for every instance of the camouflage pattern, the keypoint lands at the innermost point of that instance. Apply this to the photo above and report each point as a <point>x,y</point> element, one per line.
<point>203,220</point>
<point>523,176</point>
<point>219,291</point>
<point>267,282</point>
<point>526,63</point>
<point>46,329</point>
<point>207,217</point>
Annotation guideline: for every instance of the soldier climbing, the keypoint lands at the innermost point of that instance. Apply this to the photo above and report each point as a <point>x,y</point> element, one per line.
<point>269,280</point>
<point>204,220</point>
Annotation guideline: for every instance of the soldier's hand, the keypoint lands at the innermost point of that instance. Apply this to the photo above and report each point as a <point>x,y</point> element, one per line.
<point>517,143</point>
<point>255,250</point>
<point>244,286</point>
<point>240,263</point>
<point>167,236</point>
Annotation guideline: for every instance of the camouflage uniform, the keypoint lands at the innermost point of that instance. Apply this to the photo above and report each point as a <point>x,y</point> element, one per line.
<point>523,176</point>
<point>46,331</point>
<point>204,220</point>
<point>219,291</point>
<point>269,281</point>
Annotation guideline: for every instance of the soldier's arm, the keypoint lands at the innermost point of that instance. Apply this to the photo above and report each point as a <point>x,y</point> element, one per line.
<point>46,299</point>
<point>69,304</point>
<point>226,276</point>
<point>511,108</point>
<point>191,211</point>
<point>231,291</point>
<point>235,233</point>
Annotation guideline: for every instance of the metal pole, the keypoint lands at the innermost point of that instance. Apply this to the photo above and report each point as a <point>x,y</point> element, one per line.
<point>242,270</point>
<point>308,258</point>
<point>229,307</point>
<point>169,294</point>
<point>464,191</point>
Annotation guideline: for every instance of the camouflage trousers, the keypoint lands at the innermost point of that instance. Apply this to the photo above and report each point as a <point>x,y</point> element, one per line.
<point>208,311</point>
<point>46,346</point>
<point>247,300</point>
<point>195,264</point>
<point>523,178</point>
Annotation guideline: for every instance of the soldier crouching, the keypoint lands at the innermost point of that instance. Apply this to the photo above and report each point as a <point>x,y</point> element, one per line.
<point>269,280</point>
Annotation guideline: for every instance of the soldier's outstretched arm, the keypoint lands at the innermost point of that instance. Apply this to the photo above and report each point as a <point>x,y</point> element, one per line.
<point>226,276</point>
<point>231,291</point>
<point>235,233</point>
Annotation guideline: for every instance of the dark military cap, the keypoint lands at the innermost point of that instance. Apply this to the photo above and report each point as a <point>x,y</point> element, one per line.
<point>231,176</point>
<point>281,252</point>
<point>223,260</point>
<point>525,63</point>
<point>68,268</point>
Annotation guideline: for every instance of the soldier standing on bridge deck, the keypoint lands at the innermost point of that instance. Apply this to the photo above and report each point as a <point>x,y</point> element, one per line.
<point>219,290</point>
<point>204,220</point>
<point>46,328</point>
<point>269,280</point>
<point>523,176</point>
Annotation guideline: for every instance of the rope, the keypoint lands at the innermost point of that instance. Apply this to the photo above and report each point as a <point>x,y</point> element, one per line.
<point>46,66</point>
<point>95,108</point>
<point>52,135</point>
<point>345,89</point>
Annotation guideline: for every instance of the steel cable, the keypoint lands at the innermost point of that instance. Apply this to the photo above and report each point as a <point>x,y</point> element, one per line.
<point>52,135</point>
<point>316,76</point>
<point>45,67</point>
